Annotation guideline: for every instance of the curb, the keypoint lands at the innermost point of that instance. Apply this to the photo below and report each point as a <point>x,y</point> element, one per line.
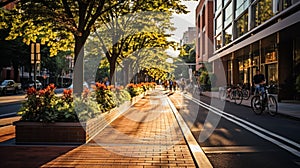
<point>198,154</point>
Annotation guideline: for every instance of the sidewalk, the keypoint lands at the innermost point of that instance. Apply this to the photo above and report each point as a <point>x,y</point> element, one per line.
<point>147,135</point>
<point>288,109</point>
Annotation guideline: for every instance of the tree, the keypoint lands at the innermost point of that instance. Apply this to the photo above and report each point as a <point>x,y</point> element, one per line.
<point>63,24</point>
<point>127,29</point>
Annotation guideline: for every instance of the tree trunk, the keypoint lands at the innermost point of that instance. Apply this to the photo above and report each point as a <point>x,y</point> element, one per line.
<point>112,69</point>
<point>78,66</point>
<point>16,72</point>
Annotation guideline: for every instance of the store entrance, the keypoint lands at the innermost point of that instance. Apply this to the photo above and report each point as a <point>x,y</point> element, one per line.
<point>272,76</point>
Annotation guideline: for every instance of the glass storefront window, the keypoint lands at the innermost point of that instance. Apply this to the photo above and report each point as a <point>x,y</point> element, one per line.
<point>218,5</point>
<point>228,35</point>
<point>272,74</point>
<point>296,66</point>
<point>218,24</point>
<point>269,54</point>
<point>281,5</point>
<point>225,2</point>
<point>218,42</point>
<point>262,11</point>
<point>242,25</point>
<point>270,57</point>
<point>241,72</point>
<point>203,43</point>
<point>229,70</point>
<point>228,15</point>
<point>255,62</point>
<point>241,6</point>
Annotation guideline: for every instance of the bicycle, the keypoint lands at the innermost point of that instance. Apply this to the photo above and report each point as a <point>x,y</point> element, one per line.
<point>261,102</point>
<point>245,92</point>
<point>236,94</point>
<point>224,92</point>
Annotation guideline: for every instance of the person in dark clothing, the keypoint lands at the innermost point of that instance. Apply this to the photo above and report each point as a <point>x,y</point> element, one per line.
<point>259,80</point>
<point>170,85</point>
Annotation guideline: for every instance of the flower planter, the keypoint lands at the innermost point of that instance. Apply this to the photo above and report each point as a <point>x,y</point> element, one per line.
<point>67,132</point>
<point>49,133</point>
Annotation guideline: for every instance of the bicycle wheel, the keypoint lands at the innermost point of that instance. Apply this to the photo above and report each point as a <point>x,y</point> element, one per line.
<point>232,94</point>
<point>246,94</point>
<point>256,105</point>
<point>272,105</point>
<point>222,94</point>
<point>238,97</point>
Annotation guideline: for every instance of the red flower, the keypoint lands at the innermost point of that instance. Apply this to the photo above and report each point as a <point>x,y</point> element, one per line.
<point>52,86</point>
<point>100,86</point>
<point>31,91</point>
<point>42,92</point>
<point>111,87</point>
<point>130,85</point>
<point>85,93</point>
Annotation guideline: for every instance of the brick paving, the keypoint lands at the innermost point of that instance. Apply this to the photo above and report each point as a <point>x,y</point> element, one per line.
<point>147,135</point>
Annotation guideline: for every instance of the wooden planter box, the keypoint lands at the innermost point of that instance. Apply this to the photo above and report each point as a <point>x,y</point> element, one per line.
<point>67,132</point>
<point>49,133</point>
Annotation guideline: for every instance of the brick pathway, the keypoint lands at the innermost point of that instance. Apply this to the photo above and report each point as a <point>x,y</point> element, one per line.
<point>147,135</point>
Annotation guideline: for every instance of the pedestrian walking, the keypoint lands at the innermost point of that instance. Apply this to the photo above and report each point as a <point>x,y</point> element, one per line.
<point>170,84</point>
<point>182,84</point>
<point>174,85</point>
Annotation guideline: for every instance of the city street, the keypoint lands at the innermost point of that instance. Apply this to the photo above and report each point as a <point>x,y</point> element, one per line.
<point>10,105</point>
<point>240,138</point>
<point>237,139</point>
<point>150,84</point>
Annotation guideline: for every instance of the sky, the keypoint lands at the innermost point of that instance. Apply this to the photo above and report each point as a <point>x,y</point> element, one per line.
<point>183,21</point>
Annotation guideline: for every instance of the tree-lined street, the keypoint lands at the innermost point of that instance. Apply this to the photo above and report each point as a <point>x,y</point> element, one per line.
<point>107,84</point>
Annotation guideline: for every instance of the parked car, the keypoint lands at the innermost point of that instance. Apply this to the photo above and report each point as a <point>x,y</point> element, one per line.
<point>85,85</point>
<point>30,83</point>
<point>10,86</point>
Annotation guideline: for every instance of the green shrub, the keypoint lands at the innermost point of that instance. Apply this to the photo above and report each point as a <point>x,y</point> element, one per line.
<point>45,106</point>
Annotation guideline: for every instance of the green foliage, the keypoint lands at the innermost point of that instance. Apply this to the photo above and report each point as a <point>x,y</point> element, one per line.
<point>122,95</point>
<point>45,106</point>
<point>187,53</point>
<point>207,79</point>
<point>87,106</point>
<point>105,97</point>
<point>135,89</point>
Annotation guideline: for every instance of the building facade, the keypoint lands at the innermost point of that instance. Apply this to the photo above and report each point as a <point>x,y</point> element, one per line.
<point>258,34</point>
<point>189,36</point>
<point>204,32</point>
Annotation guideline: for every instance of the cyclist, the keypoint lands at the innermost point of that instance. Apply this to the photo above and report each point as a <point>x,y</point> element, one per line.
<point>259,80</point>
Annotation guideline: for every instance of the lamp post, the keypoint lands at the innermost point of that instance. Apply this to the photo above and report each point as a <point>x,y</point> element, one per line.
<point>35,58</point>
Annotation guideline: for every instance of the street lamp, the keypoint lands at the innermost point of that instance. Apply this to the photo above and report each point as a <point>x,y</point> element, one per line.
<point>35,58</point>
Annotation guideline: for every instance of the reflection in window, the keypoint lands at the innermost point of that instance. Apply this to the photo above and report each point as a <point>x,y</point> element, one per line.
<point>262,11</point>
<point>242,25</point>
<point>229,70</point>
<point>218,4</point>
<point>218,42</point>
<point>225,2</point>
<point>283,4</point>
<point>228,35</point>
<point>241,6</point>
<point>203,17</point>
<point>228,15</point>
<point>203,43</point>
<point>219,24</point>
